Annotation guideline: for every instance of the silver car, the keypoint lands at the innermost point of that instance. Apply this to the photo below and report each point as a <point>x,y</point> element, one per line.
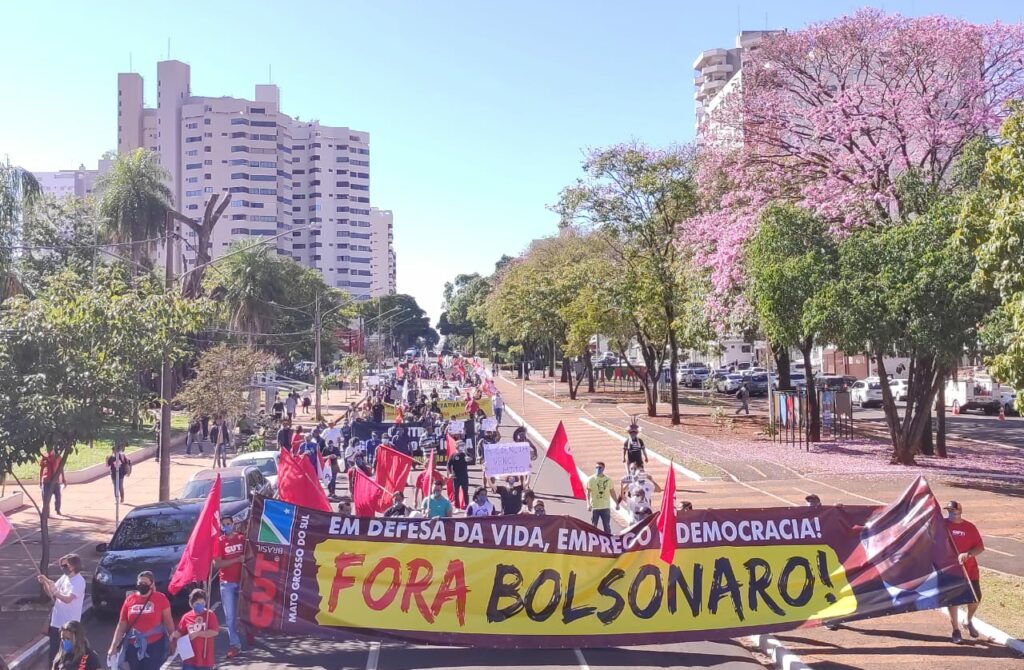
<point>729,383</point>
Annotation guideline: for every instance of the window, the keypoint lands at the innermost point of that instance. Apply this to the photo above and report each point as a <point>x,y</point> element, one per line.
<point>191,126</point>
<point>191,180</point>
<point>236,149</point>
<point>298,246</point>
<point>263,177</point>
<point>206,122</point>
<point>192,152</point>
<point>360,163</point>
<point>360,187</point>
<point>198,191</point>
<point>361,175</point>
<point>263,164</point>
<point>297,147</point>
<point>342,184</point>
<point>239,175</point>
<point>238,121</point>
<point>341,159</point>
<point>197,138</point>
<point>257,110</point>
<point>745,349</point>
<point>264,124</point>
<point>193,166</point>
<point>265,191</point>
<point>263,218</point>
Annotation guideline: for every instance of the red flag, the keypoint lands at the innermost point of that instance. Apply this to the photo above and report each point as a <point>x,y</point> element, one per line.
<point>297,483</point>
<point>367,497</point>
<point>560,453</point>
<point>450,446</point>
<point>197,559</point>
<point>399,372</point>
<point>667,517</point>
<point>426,480</point>
<point>392,473</point>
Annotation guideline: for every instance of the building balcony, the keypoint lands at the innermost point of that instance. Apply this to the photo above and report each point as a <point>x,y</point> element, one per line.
<point>709,56</point>
<point>712,70</point>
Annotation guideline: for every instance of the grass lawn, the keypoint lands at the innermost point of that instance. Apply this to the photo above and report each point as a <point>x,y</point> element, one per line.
<point>84,456</point>
<point>1000,602</point>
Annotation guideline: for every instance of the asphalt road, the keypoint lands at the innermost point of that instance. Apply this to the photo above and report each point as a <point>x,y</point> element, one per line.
<point>294,652</point>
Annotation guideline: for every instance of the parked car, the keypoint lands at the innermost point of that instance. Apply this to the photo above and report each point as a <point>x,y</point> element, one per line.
<point>831,383</point>
<point>867,392</point>
<point>796,379</point>
<point>150,537</point>
<point>694,377</point>
<point>236,483</point>
<point>900,389</point>
<point>1008,399</point>
<point>980,392</point>
<point>729,383</point>
<point>757,383</point>
<point>265,461</point>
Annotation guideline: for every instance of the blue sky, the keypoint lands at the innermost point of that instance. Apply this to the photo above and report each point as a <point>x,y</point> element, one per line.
<point>478,112</point>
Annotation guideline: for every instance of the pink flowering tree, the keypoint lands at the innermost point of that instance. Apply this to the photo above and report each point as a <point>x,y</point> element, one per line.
<point>854,120</point>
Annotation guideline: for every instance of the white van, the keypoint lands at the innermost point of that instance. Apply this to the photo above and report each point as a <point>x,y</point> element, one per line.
<point>974,392</point>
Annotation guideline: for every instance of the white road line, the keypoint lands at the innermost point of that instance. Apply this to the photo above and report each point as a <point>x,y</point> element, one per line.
<point>996,551</point>
<point>756,470</point>
<point>373,657</point>
<point>543,399</point>
<point>849,493</point>
<point>507,381</point>
<point>767,493</point>
<point>581,659</point>
<point>686,472</point>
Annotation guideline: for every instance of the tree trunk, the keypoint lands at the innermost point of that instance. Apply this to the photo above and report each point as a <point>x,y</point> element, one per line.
<point>588,365</point>
<point>814,420</point>
<point>566,370</point>
<point>924,385</point>
<point>551,368</point>
<point>782,365</point>
<point>940,419</point>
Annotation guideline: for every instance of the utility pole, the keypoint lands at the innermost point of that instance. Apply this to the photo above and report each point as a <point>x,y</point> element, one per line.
<point>166,374</point>
<point>318,327</point>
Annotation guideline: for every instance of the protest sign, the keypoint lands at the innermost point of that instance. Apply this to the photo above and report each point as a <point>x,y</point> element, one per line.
<point>450,409</point>
<point>371,380</point>
<point>553,582</point>
<point>507,458</point>
<point>456,427</point>
<point>489,425</point>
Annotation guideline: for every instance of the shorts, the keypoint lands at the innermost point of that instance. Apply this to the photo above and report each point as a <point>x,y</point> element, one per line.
<point>976,585</point>
<point>635,457</point>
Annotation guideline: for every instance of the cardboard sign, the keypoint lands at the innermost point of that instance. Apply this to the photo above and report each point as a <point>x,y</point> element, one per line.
<point>489,425</point>
<point>456,427</point>
<point>372,380</point>
<point>507,458</point>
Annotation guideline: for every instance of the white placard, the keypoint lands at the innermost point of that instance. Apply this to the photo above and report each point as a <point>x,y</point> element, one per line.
<point>507,458</point>
<point>456,427</point>
<point>184,648</point>
<point>489,425</point>
<point>371,380</point>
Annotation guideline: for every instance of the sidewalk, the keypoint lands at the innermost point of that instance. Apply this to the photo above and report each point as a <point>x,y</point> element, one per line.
<point>874,644</point>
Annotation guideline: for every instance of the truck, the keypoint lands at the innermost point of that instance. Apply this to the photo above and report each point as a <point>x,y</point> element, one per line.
<point>973,391</point>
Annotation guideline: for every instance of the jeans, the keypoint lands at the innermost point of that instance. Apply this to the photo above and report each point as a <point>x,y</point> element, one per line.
<point>220,456</point>
<point>185,665</point>
<point>156,654</point>
<point>54,635</point>
<point>54,489</point>
<point>605,516</point>
<point>497,413</point>
<point>229,598</point>
<point>118,483</point>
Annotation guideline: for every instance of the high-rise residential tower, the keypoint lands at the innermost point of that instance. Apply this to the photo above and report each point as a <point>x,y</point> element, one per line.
<point>308,182</point>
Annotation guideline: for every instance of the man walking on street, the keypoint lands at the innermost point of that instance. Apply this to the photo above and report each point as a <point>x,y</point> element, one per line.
<point>742,398</point>
<point>599,494</point>
<point>498,404</point>
<point>633,449</point>
<point>120,467</point>
<point>968,543</point>
<point>68,594</point>
<point>51,477</point>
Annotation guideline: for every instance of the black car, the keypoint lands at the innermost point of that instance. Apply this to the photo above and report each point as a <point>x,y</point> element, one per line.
<point>150,537</point>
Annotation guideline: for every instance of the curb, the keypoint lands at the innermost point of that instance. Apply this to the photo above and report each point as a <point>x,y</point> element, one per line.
<point>11,502</point>
<point>780,657</point>
<point>30,653</point>
<point>990,631</point>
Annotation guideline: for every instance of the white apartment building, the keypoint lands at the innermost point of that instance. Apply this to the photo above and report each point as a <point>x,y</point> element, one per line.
<point>302,180</point>
<point>382,238</point>
<point>75,183</point>
<point>719,72</point>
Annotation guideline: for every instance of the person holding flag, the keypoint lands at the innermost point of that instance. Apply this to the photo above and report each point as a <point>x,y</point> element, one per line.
<point>230,548</point>
<point>200,625</point>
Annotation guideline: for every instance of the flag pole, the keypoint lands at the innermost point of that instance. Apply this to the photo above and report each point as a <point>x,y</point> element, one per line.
<point>17,538</point>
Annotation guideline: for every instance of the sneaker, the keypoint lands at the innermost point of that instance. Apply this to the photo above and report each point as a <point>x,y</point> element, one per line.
<point>831,625</point>
<point>971,629</point>
<point>233,651</point>
<point>957,638</point>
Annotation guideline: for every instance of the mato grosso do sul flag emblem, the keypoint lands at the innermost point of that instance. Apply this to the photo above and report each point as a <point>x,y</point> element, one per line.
<point>559,582</point>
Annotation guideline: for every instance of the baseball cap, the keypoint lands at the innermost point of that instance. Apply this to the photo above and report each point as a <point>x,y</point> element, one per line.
<point>813,498</point>
<point>952,504</point>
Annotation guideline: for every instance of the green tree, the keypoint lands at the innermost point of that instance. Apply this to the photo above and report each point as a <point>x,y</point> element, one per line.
<point>398,322</point>
<point>790,260</point>
<point>77,350</point>
<point>58,234</point>
<point>462,315</point>
<point>222,385</point>
<point>250,283</point>
<point>134,202</point>
<point>18,191</point>
<point>637,197</point>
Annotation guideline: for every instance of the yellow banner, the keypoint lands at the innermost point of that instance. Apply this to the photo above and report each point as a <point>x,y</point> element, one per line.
<point>450,409</point>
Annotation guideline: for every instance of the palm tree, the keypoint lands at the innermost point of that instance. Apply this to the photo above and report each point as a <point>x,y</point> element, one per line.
<point>18,190</point>
<point>251,284</point>
<point>134,201</point>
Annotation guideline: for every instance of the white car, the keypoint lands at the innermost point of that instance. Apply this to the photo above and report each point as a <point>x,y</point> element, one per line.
<point>266,461</point>
<point>1008,399</point>
<point>900,389</point>
<point>867,392</point>
<point>729,383</point>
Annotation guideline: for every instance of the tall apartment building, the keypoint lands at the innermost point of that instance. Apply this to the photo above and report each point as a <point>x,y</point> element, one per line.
<point>382,243</point>
<point>719,72</point>
<point>303,180</point>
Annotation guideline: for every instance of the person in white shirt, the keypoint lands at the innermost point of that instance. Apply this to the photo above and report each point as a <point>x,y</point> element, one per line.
<point>332,434</point>
<point>637,478</point>
<point>480,506</point>
<point>68,594</point>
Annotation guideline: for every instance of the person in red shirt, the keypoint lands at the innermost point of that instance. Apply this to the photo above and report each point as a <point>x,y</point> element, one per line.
<point>144,625</point>
<point>969,544</point>
<point>297,439</point>
<point>51,477</point>
<point>471,406</point>
<point>200,625</point>
<point>230,549</point>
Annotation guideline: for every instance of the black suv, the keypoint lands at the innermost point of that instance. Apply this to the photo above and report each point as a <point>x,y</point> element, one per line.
<point>150,537</point>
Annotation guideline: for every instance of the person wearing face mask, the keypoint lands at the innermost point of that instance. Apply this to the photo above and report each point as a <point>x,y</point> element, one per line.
<point>143,626</point>
<point>538,508</point>
<point>68,595</point>
<point>969,545</point>
<point>229,562</point>
<point>200,625</point>
<point>458,468</point>
<point>599,498</point>
<point>480,506</point>
<point>75,653</point>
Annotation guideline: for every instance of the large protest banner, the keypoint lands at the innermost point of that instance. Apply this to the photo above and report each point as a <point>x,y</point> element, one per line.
<point>450,409</point>
<point>559,582</point>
